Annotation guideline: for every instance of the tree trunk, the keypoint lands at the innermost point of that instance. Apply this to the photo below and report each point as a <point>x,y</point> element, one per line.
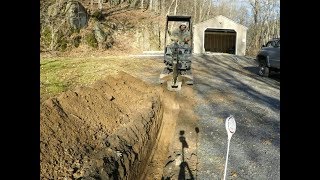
<point>150,5</point>
<point>100,5</point>
<point>170,7</point>
<point>174,13</point>
<point>209,9</point>
<point>162,6</point>
<point>256,11</point>
<point>201,11</point>
<point>155,6</point>
<point>195,9</point>
<point>52,43</point>
<point>159,35</point>
<point>175,8</point>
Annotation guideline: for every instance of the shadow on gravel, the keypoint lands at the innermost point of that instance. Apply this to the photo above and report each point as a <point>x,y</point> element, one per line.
<point>236,83</point>
<point>232,86</point>
<point>254,70</point>
<point>273,80</point>
<point>250,93</point>
<point>210,61</point>
<point>185,172</point>
<point>197,131</point>
<point>184,165</point>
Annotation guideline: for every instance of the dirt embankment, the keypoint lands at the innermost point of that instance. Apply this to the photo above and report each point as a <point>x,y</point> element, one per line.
<point>107,131</point>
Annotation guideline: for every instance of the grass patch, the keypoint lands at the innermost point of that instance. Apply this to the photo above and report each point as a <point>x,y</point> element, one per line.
<point>61,74</point>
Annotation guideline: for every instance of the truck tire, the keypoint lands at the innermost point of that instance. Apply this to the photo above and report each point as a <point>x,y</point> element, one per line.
<point>264,71</point>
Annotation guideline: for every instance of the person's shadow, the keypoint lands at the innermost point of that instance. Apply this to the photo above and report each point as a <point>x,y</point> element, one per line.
<point>184,165</point>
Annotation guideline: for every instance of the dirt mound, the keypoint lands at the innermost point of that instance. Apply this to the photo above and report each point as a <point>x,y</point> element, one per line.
<point>106,131</point>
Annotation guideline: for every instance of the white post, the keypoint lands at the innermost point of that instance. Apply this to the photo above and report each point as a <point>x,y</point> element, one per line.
<point>226,164</point>
<point>231,129</point>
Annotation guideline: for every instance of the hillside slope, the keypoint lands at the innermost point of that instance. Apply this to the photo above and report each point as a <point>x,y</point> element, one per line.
<point>115,30</point>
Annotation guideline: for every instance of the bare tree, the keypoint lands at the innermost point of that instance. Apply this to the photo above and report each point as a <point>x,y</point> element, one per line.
<point>201,11</point>
<point>262,17</point>
<point>265,22</point>
<point>195,9</point>
<point>209,9</point>
<point>151,5</point>
<point>100,5</point>
<point>175,8</point>
<point>168,12</point>
<point>52,20</point>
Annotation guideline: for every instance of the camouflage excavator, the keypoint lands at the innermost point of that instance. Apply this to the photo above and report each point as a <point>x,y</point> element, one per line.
<point>177,54</point>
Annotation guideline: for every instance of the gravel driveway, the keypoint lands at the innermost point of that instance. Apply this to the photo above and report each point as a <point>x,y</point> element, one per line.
<point>229,85</point>
<point>226,85</point>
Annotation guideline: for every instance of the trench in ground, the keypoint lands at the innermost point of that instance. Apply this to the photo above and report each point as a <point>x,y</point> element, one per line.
<point>120,128</point>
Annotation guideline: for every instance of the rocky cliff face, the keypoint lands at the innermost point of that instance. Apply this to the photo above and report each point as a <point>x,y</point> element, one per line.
<point>73,24</point>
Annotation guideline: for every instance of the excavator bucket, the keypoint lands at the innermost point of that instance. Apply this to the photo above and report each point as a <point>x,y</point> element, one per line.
<point>171,86</point>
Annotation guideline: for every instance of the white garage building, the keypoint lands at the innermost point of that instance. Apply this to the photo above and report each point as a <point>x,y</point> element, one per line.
<point>219,34</point>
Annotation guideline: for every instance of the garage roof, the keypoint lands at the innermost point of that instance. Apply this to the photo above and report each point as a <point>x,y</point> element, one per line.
<point>220,30</point>
<point>218,17</point>
<point>178,18</point>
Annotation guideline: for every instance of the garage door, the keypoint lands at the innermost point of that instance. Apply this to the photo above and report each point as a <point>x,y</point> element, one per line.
<point>220,40</point>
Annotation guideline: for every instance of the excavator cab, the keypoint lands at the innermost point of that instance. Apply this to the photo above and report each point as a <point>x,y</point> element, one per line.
<point>177,55</point>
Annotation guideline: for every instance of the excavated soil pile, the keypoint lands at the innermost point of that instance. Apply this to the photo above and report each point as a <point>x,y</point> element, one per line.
<point>106,131</point>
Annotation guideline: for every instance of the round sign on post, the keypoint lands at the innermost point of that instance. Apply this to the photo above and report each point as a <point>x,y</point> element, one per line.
<point>231,129</point>
<point>230,126</point>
